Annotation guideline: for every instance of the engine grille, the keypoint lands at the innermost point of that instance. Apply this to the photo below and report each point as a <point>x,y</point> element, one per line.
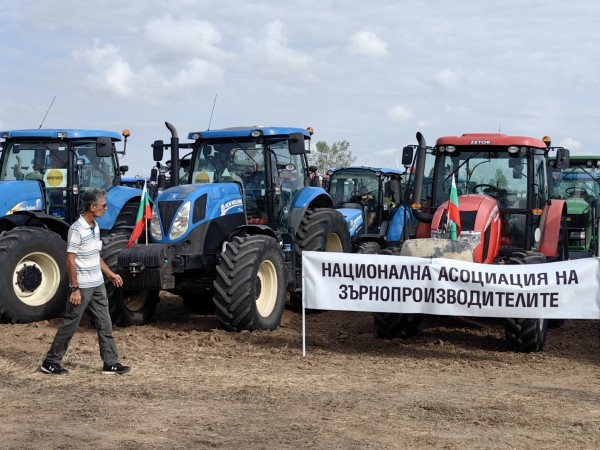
<point>167,212</point>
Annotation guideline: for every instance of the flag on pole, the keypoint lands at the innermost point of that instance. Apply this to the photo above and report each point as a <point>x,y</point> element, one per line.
<point>144,215</point>
<point>453,212</point>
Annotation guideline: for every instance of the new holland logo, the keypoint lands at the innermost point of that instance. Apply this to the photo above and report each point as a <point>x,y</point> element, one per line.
<point>55,178</point>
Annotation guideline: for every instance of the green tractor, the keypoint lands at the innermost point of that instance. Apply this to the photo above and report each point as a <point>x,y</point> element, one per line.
<point>579,185</point>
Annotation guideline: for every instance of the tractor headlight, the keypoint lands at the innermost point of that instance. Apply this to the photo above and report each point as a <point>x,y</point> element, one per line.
<point>155,230</point>
<point>181,222</point>
<point>577,235</point>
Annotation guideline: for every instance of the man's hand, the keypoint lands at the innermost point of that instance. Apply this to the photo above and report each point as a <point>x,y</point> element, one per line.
<point>75,298</point>
<point>115,279</point>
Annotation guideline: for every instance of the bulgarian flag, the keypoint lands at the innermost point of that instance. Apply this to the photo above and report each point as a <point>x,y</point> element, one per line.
<point>144,214</point>
<point>453,212</point>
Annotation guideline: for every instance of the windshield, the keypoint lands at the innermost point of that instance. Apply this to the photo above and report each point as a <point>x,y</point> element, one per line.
<point>498,174</point>
<point>31,160</point>
<point>347,186</point>
<point>49,161</point>
<point>260,169</point>
<point>576,182</point>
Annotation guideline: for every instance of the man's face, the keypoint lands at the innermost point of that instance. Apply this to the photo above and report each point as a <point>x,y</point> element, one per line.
<point>99,208</point>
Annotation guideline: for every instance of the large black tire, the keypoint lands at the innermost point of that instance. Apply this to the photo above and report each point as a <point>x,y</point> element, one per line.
<point>250,288</point>
<point>391,325</point>
<point>369,248</point>
<point>321,230</point>
<point>128,215</point>
<point>33,280</point>
<point>526,335</point>
<point>127,307</point>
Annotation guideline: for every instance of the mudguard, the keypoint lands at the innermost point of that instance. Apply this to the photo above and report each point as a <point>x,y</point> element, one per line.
<point>221,199</point>
<point>116,198</point>
<point>353,218</point>
<point>401,217</point>
<point>313,197</point>
<point>550,224</point>
<point>20,195</point>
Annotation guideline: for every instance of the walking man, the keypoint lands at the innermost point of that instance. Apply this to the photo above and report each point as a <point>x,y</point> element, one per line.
<point>85,268</point>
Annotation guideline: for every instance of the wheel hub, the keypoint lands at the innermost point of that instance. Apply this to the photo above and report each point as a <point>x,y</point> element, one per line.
<point>29,278</point>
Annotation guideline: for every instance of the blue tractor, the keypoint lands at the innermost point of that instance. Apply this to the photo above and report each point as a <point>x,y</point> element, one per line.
<point>43,174</point>
<point>372,202</point>
<point>231,237</point>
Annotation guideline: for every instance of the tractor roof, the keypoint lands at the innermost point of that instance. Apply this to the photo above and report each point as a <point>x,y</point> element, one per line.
<point>67,133</point>
<point>241,132</point>
<point>491,139</point>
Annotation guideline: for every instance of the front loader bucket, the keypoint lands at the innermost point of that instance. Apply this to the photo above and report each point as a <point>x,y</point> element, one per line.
<point>437,248</point>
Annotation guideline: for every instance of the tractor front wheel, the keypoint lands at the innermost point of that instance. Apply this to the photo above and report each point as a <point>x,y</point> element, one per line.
<point>250,288</point>
<point>33,282</point>
<point>526,335</point>
<point>127,307</point>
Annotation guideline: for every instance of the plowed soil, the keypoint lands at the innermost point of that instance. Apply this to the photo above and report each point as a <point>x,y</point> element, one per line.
<point>454,386</point>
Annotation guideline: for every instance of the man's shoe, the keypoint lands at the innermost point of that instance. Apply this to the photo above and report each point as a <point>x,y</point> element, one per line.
<point>110,369</point>
<point>53,368</point>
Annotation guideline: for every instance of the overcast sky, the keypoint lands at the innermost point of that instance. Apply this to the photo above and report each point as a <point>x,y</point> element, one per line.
<point>372,73</point>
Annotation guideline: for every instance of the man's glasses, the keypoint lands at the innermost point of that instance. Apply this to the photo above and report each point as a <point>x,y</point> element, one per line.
<point>102,205</point>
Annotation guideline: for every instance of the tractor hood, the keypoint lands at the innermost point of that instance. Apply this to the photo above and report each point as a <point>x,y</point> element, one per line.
<point>20,196</point>
<point>577,206</point>
<point>205,202</point>
<point>353,218</point>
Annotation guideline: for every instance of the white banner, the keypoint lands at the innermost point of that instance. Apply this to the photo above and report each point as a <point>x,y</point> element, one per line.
<point>401,284</point>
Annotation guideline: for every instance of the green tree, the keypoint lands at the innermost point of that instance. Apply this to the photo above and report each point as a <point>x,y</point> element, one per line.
<point>325,157</point>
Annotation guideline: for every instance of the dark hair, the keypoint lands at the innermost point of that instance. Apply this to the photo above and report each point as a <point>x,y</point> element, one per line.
<point>92,197</point>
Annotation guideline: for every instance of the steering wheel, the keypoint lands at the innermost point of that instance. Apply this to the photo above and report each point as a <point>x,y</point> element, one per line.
<point>488,187</point>
<point>575,191</point>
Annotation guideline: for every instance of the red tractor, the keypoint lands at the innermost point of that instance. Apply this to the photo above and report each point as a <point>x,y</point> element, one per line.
<point>506,214</point>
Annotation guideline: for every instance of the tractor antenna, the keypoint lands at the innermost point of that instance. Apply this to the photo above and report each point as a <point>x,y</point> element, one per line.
<point>47,111</point>
<point>211,113</point>
<point>499,127</point>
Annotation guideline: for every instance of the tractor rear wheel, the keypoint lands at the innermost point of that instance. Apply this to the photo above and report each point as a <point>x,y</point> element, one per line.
<point>34,284</point>
<point>395,325</point>
<point>321,230</point>
<point>526,335</point>
<point>392,325</point>
<point>250,288</point>
<point>127,307</point>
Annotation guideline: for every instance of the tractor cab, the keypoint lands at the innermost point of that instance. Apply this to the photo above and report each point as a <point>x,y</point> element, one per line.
<point>511,171</point>
<point>372,202</point>
<point>579,185</point>
<point>62,164</point>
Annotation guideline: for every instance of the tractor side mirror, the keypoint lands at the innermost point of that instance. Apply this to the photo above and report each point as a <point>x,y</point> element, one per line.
<point>562,158</point>
<point>123,169</point>
<point>104,147</point>
<point>296,144</point>
<point>158,150</point>
<point>407,155</point>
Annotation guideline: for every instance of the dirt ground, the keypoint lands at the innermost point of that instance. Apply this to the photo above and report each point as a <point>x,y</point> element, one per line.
<point>192,386</point>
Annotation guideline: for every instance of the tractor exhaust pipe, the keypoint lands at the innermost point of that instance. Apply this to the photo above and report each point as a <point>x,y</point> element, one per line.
<point>419,175</point>
<point>174,154</point>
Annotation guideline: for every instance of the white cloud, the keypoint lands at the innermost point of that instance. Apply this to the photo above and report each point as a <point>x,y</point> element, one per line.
<point>112,73</point>
<point>400,113</point>
<point>448,78</point>
<point>367,43</point>
<point>274,57</point>
<point>110,70</point>
<point>571,143</point>
<point>187,37</point>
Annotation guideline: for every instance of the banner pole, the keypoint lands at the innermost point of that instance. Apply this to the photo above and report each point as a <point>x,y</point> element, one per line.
<point>303,327</point>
